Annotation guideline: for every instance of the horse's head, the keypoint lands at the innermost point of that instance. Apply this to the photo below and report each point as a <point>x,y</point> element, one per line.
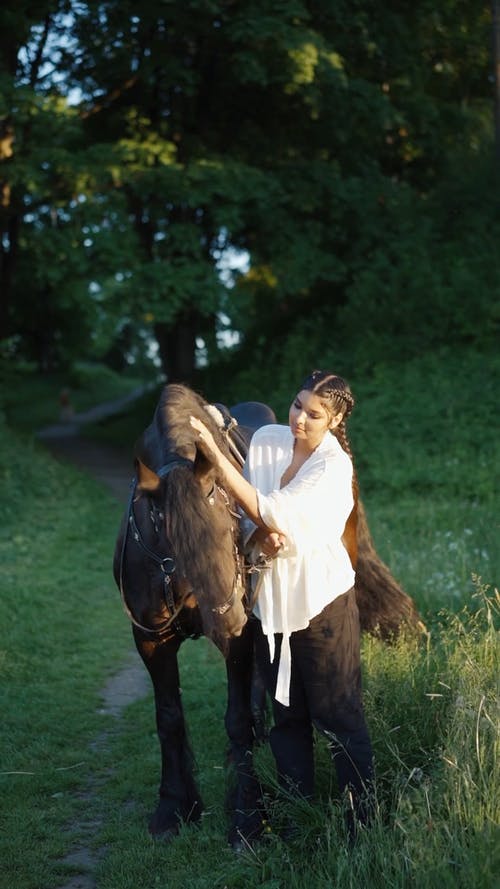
<point>201,522</point>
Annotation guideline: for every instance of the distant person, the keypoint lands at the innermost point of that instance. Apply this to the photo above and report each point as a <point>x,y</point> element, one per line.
<point>297,492</point>
<point>66,410</point>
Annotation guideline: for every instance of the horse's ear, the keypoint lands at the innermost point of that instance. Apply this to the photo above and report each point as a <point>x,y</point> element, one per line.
<point>203,469</point>
<point>202,465</point>
<point>146,478</point>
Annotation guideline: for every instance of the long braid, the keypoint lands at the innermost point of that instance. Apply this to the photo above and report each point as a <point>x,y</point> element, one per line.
<point>338,399</point>
<point>340,433</point>
<point>384,607</point>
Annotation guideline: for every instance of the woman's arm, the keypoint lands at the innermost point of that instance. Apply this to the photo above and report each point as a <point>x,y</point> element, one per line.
<point>240,488</point>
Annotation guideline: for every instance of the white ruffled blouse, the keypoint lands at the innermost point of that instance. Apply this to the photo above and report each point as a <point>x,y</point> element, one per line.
<point>311,510</point>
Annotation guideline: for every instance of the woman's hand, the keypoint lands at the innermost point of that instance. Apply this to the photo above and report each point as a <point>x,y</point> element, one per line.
<point>206,439</point>
<point>270,542</point>
<point>242,491</point>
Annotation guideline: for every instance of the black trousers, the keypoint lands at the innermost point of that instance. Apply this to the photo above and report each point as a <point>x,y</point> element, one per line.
<point>325,692</point>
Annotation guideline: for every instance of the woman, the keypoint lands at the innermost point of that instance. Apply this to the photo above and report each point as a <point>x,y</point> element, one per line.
<point>297,492</point>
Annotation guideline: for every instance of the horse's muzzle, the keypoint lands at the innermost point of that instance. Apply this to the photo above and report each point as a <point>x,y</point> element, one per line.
<point>236,626</point>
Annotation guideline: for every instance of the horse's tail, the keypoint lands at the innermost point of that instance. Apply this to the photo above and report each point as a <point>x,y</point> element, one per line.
<point>384,607</point>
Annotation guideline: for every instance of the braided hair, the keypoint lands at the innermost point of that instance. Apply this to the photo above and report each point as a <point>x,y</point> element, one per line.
<point>337,398</point>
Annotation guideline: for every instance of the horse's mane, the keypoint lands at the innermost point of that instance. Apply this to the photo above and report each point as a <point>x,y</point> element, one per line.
<point>196,529</point>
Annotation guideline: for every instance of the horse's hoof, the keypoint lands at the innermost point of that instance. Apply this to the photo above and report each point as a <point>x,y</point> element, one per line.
<point>164,836</point>
<point>239,845</point>
<point>160,829</point>
<point>165,822</point>
<point>242,839</point>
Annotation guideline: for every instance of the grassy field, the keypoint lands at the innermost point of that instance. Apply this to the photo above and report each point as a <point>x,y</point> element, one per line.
<point>73,777</point>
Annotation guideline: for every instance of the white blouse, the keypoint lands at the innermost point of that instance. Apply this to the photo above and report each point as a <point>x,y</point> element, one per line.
<point>311,510</point>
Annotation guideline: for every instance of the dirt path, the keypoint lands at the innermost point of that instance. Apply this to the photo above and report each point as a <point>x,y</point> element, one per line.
<point>110,466</point>
<point>113,469</point>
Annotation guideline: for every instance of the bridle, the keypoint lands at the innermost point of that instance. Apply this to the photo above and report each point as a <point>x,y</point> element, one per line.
<point>167,564</point>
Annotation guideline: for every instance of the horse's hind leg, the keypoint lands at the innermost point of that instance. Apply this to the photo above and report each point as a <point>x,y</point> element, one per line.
<point>179,796</point>
<point>244,800</point>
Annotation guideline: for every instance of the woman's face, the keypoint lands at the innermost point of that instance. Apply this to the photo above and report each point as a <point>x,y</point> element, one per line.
<point>309,419</point>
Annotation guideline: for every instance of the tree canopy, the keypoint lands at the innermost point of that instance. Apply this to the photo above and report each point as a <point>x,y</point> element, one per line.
<point>317,177</point>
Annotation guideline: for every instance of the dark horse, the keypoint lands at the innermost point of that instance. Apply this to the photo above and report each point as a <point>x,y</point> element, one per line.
<point>181,575</point>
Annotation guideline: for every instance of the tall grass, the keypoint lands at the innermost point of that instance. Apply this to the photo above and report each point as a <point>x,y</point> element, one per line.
<point>432,710</point>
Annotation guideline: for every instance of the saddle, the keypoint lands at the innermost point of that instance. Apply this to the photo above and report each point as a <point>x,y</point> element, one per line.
<point>239,422</point>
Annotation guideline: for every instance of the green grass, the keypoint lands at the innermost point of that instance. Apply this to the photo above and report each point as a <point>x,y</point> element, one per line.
<point>73,777</point>
<point>61,634</point>
<point>427,445</point>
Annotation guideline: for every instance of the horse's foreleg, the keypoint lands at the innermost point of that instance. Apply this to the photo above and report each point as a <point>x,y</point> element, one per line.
<point>179,796</point>
<point>244,800</point>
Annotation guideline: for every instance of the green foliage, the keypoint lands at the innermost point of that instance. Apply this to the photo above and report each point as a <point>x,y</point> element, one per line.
<point>429,283</point>
<point>432,418</point>
<point>325,141</point>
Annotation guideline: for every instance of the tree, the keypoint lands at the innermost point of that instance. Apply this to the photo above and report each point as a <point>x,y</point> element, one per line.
<point>298,132</point>
<point>45,311</point>
<point>496,70</point>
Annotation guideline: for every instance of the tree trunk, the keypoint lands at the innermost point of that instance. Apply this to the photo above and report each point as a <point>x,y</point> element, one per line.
<point>177,345</point>
<point>496,72</point>
<point>9,230</point>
